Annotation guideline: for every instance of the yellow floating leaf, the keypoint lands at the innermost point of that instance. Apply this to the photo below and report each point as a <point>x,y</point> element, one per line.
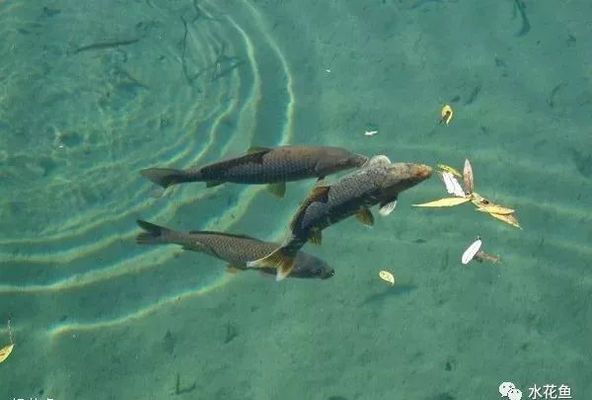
<point>507,218</point>
<point>479,200</point>
<point>445,202</point>
<point>494,208</point>
<point>5,352</point>
<point>387,277</point>
<point>446,114</point>
<point>448,168</point>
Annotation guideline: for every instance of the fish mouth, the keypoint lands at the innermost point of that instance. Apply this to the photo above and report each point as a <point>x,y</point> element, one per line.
<point>423,171</point>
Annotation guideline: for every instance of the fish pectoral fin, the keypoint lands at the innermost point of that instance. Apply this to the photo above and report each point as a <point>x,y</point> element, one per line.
<point>257,149</point>
<point>213,183</point>
<point>316,237</point>
<point>255,154</point>
<point>364,215</point>
<point>387,208</point>
<point>233,269</point>
<point>283,271</point>
<point>277,189</point>
<point>279,258</point>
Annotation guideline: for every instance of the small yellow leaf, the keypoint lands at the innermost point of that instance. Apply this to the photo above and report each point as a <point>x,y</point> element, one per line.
<point>5,352</point>
<point>495,209</point>
<point>446,114</point>
<point>507,218</point>
<point>445,202</point>
<point>448,168</point>
<point>387,277</point>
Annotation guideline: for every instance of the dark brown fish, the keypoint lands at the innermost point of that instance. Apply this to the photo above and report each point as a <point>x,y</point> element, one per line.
<point>379,182</point>
<point>264,166</point>
<point>236,250</point>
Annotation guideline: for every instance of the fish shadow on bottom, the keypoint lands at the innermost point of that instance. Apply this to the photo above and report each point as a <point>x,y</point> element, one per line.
<point>388,292</point>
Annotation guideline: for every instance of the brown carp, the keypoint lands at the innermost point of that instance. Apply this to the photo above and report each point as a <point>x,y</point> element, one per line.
<point>236,250</point>
<point>273,166</point>
<point>378,182</point>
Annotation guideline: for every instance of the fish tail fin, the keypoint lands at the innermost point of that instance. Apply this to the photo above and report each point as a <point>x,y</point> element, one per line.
<point>166,177</point>
<point>282,258</point>
<point>153,234</point>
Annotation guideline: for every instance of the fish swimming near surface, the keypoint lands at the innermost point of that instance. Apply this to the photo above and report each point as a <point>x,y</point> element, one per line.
<point>378,182</point>
<point>236,250</point>
<point>261,165</point>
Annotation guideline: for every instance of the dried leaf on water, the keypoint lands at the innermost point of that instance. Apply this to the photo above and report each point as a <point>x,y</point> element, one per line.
<point>445,202</point>
<point>470,252</point>
<point>468,177</point>
<point>507,218</point>
<point>452,185</point>
<point>494,208</point>
<point>448,168</point>
<point>387,277</point>
<point>5,352</point>
<point>446,114</point>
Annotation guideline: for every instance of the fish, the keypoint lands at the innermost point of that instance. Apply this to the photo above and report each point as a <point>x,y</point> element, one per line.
<point>379,182</point>
<point>263,165</point>
<point>235,249</point>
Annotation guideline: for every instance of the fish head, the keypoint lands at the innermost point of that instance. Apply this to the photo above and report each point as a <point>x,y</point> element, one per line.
<point>309,266</point>
<point>335,159</point>
<point>402,176</point>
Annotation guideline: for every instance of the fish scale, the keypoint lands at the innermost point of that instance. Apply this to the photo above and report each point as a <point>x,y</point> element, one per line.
<point>343,196</point>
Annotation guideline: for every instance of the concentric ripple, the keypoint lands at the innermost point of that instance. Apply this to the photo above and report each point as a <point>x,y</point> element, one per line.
<point>182,86</point>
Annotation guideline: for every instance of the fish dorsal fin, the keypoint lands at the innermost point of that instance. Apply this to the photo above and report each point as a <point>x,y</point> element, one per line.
<point>258,149</point>
<point>320,193</point>
<point>234,235</point>
<point>277,189</point>
<point>255,154</point>
<point>316,237</point>
<point>365,216</point>
<point>379,159</point>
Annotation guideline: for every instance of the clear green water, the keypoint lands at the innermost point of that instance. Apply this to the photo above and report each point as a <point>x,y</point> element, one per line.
<point>93,91</point>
